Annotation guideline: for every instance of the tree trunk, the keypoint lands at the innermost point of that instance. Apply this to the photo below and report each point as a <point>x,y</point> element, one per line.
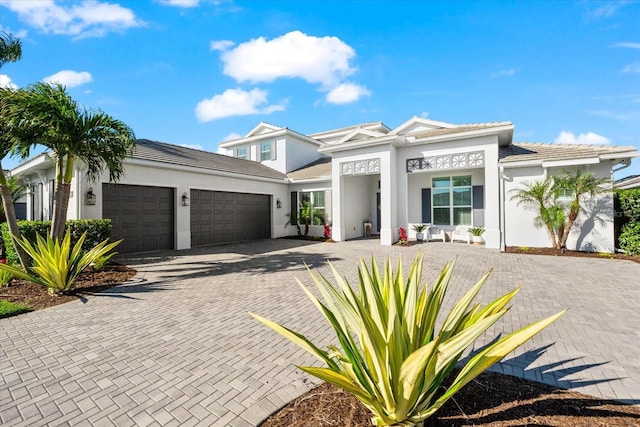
<point>572,218</point>
<point>61,200</point>
<point>10,213</point>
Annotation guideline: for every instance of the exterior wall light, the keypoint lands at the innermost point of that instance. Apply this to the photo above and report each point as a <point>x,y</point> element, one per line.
<point>91,198</point>
<point>278,204</point>
<point>185,199</point>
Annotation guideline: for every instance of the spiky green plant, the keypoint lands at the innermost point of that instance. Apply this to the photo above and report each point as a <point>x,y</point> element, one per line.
<point>398,361</point>
<point>55,264</point>
<point>5,278</point>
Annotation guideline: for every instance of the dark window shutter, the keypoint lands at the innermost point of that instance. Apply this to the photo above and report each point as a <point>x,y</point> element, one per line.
<point>426,205</point>
<point>294,207</point>
<point>478,197</point>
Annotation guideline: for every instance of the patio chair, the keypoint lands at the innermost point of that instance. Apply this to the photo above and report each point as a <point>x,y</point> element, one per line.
<point>435,233</point>
<point>461,233</point>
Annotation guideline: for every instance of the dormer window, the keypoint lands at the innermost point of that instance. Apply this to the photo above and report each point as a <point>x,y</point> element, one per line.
<point>265,151</point>
<point>241,152</point>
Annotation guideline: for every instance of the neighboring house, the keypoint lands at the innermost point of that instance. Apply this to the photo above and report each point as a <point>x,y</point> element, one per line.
<point>628,183</point>
<point>423,171</point>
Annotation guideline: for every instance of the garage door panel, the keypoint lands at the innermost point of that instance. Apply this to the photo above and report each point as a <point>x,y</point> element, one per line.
<point>141,215</point>
<point>224,217</point>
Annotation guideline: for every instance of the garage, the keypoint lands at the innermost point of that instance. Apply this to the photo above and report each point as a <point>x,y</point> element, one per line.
<point>141,215</point>
<point>225,217</point>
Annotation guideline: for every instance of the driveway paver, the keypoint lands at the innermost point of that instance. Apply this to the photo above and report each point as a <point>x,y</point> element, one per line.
<point>176,346</point>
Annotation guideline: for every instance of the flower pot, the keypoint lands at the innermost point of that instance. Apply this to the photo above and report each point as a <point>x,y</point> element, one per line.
<point>419,236</point>
<point>477,240</point>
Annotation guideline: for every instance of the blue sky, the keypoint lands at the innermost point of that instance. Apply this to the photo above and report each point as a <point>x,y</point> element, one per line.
<point>196,73</point>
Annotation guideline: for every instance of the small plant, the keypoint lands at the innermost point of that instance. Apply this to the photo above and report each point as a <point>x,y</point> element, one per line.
<point>55,264</point>
<point>419,228</point>
<point>5,278</point>
<point>402,232</point>
<point>605,255</point>
<point>102,261</point>
<point>524,249</point>
<point>8,308</point>
<point>476,231</point>
<point>392,357</point>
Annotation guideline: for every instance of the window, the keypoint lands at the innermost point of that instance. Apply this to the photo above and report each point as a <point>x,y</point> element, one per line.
<point>312,205</point>
<point>241,152</point>
<point>451,200</point>
<point>265,151</point>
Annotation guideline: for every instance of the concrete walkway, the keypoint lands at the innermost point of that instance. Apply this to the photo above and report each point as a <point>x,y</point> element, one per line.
<point>176,347</point>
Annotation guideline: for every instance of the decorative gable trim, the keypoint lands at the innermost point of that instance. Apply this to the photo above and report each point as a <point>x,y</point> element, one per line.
<point>421,122</point>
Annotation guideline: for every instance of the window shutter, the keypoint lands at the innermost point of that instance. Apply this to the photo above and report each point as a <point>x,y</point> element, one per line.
<point>327,206</point>
<point>273,150</point>
<point>426,205</point>
<point>294,208</point>
<point>478,197</point>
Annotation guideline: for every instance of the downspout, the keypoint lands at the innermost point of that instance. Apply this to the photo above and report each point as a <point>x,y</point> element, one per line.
<point>502,191</point>
<point>625,164</point>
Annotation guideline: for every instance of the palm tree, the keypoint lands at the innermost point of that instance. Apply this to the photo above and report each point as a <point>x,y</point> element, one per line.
<point>10,48</point>
<point>47,115</point>
<point>309,216</point>
<point>10,51</point>
<point>541,196</point>
<point>580,184</point>
<point>16,191</point>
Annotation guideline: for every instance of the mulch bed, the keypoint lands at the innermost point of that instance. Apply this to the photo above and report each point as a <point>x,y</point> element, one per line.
<point>568,253</point>
<point>36,296</point>
<point>490,400</point>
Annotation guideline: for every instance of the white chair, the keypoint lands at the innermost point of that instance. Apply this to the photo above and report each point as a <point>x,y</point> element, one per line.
<point>461,233</point>
<point>435,233</point>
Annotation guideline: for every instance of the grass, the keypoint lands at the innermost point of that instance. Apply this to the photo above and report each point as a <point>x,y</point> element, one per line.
<point>8,308</point>
<point>524,248</point>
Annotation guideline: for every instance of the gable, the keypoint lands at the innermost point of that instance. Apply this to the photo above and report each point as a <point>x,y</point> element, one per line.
<point>358,135</point>
<point>262,128</point>
<point>419,124</point>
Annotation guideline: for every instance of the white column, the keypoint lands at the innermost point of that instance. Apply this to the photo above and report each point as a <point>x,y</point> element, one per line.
<point>492,198</point>
<point>337,227</point>
<point>389,198</point>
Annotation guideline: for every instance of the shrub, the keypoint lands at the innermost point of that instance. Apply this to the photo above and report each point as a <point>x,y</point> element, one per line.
<point>629,239</point>
<point>97,231</point>
<point>8,308</point>
<point>630,204</point>
<point>392,357</point>
<point>56,264</point>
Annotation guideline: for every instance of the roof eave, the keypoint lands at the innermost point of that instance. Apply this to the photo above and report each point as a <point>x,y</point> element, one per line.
<point>507,130</point>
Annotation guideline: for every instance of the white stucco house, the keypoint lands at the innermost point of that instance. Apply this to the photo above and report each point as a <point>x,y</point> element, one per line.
<point>423,171</point>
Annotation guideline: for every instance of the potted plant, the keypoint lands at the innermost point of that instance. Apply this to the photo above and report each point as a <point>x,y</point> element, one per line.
<point>367,227</point>
<point>419,228</point>
<point>476,232</point>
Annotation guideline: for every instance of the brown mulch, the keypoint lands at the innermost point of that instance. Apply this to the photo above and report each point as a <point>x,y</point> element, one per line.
<point>37,297</point>
<point>490,400</point>
<point>556,252</point>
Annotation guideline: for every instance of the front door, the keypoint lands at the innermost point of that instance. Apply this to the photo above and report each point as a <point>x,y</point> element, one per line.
<point>378,213</point>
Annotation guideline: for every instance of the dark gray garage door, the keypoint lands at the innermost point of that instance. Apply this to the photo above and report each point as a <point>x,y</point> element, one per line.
<point>143,216</point>
<point>222,217</point>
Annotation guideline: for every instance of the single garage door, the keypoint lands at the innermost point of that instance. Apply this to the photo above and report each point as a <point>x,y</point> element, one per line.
<point>224,217</point>
<point>141,215</point>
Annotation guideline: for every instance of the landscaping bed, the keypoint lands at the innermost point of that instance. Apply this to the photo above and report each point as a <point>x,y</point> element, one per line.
<point>36,297</point>
<point>569,253</point>
<point>490,400</point>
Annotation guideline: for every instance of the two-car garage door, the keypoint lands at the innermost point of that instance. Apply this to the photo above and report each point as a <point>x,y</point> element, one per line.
<point>144,216</point>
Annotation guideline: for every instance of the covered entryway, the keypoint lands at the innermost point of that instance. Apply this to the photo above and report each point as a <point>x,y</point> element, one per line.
<point>225,217</point>
<point>141,215</point>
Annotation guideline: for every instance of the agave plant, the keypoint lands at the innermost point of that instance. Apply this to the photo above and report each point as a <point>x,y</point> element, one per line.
<point>392,358</point>
<point>56,265</point>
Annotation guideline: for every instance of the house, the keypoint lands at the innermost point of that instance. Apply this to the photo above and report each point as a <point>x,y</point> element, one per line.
<point>628,183</point>
<point>423,171</point>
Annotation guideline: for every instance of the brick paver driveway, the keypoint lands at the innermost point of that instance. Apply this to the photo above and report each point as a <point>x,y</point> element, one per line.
<point>176,346</point>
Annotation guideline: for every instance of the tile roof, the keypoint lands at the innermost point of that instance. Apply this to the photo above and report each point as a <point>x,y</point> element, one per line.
<point>348,128</point>
<point>525,151</point>
<point>321,168</point>
<point>458,129</point>
<point>174,154</point>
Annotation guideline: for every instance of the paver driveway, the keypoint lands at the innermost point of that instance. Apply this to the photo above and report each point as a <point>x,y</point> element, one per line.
<point>176,346</point>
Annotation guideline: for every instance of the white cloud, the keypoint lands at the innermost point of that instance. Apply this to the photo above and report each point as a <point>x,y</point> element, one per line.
<point>598,10</point>
<point>347,93</point>
<point>231,137</point>
<point>323,60</point>
<point>630,45</point>
<point>567,137</point>
<point>504,73</point>
<point>69,78</point>
<point>5,81</point>
<point>194,146</point>
<point>235,102</point>
<point>632,68</point>
<point>181,3</point>
<point>86,19</point>
<point>424,114</point>
<point>221,45</point>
